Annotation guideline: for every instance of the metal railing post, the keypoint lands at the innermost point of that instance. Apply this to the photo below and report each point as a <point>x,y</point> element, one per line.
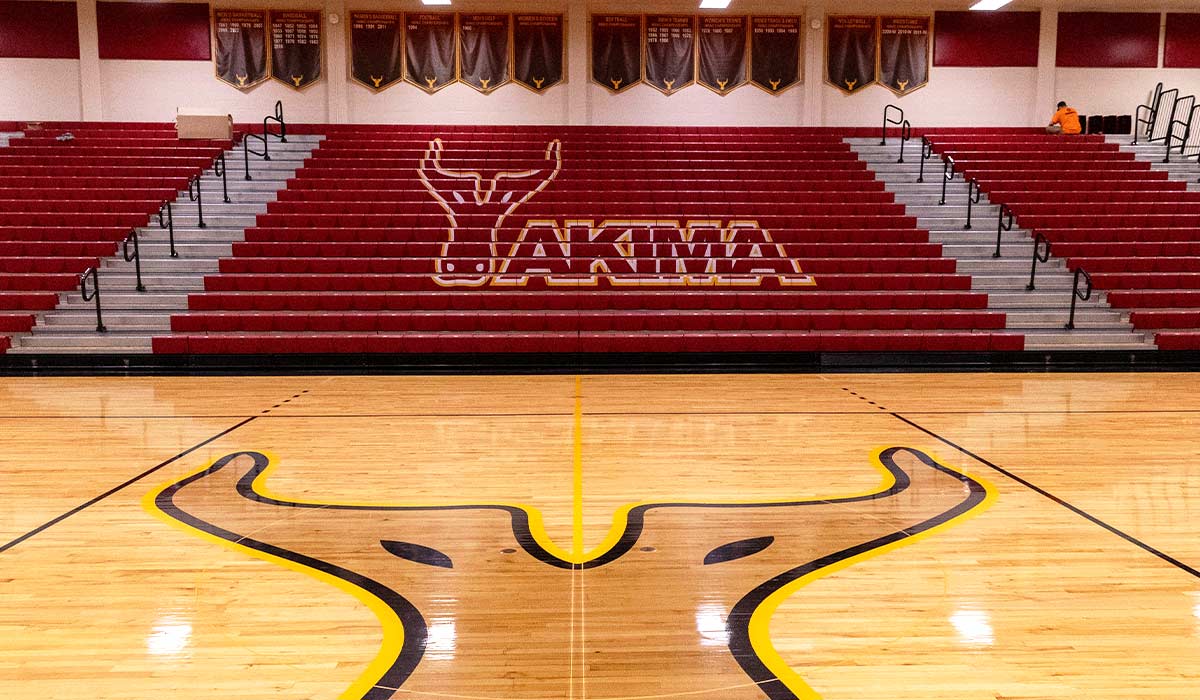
<point>265,138</point>
<point>947,176</point>
<point>135,257</point>
<point>196,194</point>
<point>886,121</point>
<point>926,154</point>
<point>1075,295</point>
<point>905,135</point>
<point>220,170</point>
<point>1005,224</point>
<point>1044,257</point>
<point>92,272</point>
<point>974,194</point>
<point>169,224</point>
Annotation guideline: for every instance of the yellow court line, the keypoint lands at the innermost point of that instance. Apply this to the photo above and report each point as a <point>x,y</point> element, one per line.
<point>577,505</point>
<point>389,623</point>
<point>760,619</point>
<point>537,528</point>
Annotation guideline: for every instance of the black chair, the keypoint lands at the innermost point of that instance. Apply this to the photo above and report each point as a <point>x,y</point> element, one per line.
<point>1095,124</point>
<point>1124,124</point>
<point>1110,124</point>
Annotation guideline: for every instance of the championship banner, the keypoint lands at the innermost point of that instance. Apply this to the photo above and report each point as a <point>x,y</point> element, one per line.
<point>903,53</point>
<point>775,52</point>
<point>538,51</point>
<point>670,52</point>
<point>483,50</point>
<point>429,48</point>
<point>850,50</point>
<point>296,47</point>
<point>241,47</point>
<point>722,53</point>
<point>617,51</point>
<point>376,58</point>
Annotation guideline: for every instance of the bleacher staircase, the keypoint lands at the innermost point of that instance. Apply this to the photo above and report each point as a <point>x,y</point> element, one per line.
<point>1039,314</point>
<point>133,318</point>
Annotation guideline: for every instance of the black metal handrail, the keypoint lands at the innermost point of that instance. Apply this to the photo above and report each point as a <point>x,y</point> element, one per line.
<point>974,194</point>
<point>196,194</point>
<point>898,121</point>
<point>1151,111</point>
<point>1076,295</point>
<point>221,171</point>
<point>135,257</point>
<point>926,154</point>
<point>1038,241</point>
<point>95,275</point>
<point>947,176</point>
<point>266,148</point>
<point>1005,223</point>
<point>1172,96</point>
<point>1189,103</point>
<point>905,135</point>
<point>168,222</point>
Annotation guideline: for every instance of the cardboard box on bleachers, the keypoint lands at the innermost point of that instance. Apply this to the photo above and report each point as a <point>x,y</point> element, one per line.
<point>193,123</point>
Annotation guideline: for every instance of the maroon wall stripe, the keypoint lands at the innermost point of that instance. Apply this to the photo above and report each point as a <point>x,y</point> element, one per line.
<point>38,30</point>
<point>986,39</point>
<point>160,31</point>
<point>1108,39</point>
<point>1183,40</point>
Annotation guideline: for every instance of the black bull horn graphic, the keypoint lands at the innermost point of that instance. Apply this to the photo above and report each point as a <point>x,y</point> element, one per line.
<point>678,603</point>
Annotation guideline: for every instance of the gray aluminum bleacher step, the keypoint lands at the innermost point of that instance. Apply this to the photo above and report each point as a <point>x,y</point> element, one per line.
<point>215,208</point>
<point>80,341</point>
<point>1040,315</point>
<point>133,318</point>
<point>126,299</point>
<point>85,318</point>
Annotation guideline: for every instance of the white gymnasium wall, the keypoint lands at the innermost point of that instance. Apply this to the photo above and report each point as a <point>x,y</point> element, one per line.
<point>39,88</point>
<point>152,90</point>
<point>1120,90</point>
<point>953,97</point>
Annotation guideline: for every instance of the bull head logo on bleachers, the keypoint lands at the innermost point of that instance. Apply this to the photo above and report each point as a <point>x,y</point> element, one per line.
<point>476,207</point>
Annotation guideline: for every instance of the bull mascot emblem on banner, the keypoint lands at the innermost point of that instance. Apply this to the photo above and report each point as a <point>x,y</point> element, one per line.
<point>477,596</point>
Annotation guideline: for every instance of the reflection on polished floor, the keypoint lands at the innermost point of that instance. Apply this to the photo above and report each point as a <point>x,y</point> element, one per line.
<point>868,537</point>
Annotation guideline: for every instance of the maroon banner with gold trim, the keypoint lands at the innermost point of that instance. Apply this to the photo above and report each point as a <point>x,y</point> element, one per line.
<point>851,43</point>
<point>617,51</point>
<point>296,47</point>
<point>775,52</point>
<point>429,49</point>
<point>670,52</point>
<point>376,51</point>
<point>538,51</point>
<point>904,53</point>
<point>722,53</point>
<point>484,50</point>
<point>240,47</point>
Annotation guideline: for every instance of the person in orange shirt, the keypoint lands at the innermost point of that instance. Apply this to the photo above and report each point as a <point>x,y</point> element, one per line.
<point>1064,121</point>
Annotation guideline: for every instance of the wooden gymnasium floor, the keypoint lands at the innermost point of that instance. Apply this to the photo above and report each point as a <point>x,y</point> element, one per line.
<point>882,537</point>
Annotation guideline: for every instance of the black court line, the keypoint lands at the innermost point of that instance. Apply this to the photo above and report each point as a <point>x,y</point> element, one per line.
<point>115,489</point>
<point>922,412</point>
<point>1071,507</point>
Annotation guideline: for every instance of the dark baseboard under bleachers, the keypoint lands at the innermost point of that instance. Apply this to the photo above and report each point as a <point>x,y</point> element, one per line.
<point>599,363</point>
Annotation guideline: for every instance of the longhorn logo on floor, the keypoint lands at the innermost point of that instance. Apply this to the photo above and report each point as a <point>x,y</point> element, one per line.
<point>458,582</point>
<point>621,252</point>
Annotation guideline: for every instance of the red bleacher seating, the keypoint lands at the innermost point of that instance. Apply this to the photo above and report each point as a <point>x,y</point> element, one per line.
<point>65,204</point>
<point>1136,232</point>
<point>345,259</point>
